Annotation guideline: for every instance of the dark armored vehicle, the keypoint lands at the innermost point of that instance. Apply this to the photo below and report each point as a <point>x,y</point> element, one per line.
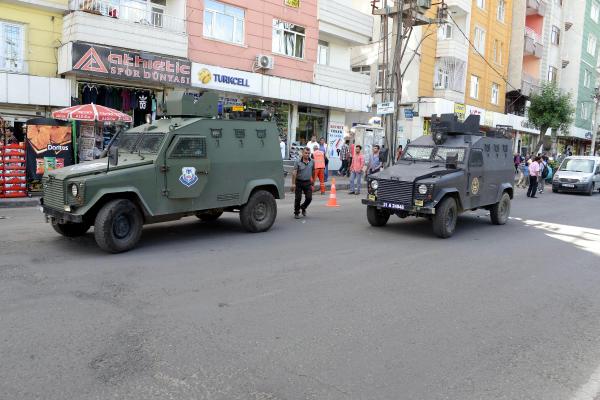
<point>456,169</point>
<point>189,163</point>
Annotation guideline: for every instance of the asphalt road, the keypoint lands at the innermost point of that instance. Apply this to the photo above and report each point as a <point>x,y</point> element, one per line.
<point>321,308</point>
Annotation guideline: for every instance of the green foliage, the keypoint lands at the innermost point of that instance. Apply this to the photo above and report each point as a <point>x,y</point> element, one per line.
<point>551,109</point>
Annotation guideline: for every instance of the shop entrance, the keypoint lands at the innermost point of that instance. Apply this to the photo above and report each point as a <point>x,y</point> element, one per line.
<point>312,121</point>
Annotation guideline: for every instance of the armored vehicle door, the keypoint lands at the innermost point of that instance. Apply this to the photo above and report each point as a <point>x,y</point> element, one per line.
<point>475,178</point>
<point>186,167</point>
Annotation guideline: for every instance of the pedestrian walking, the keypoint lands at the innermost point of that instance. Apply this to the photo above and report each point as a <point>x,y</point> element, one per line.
<point>282,147</point>
<point>544,171</point>
<point>399,152</point>
<point>534,173</point>
<point>383,155</point>
<point>356,170</point>
<point>302,182</point>
<point>311,145</point>
<point>517,161</point>
<point>344,157</point>
<point>374,165</point>
<point>319,160</point>
<point>523,181</point>
<point>323,148</point>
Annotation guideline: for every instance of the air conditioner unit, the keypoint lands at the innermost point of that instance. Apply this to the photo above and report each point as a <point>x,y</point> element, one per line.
<point>426,4</point>
<point>265,62</point>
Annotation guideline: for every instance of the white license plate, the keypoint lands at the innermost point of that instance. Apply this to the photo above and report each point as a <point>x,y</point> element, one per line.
<point>568,185</point>
<point>393,206</point>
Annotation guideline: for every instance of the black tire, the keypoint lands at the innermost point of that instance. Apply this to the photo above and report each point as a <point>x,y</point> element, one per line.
<point>500,211</point>
<point>210,215</point>
<point>71,229</point>
<point>118,226</point>
<point>592,189</point>
<point>444,219</point>
<point>554,190</point>
<point>377,217</point>
<point>259,213</point>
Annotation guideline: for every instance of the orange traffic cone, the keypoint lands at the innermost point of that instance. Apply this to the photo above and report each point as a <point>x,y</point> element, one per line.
<point>332,202</point>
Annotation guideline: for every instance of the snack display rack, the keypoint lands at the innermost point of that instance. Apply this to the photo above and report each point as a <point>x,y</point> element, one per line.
<point>13,180</point>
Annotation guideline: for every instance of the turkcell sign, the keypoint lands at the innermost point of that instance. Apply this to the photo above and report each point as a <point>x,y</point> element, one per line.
<point>225,79</point>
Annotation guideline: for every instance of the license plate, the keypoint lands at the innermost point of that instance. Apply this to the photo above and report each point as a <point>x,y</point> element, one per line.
<point>393,206</point>
<point>568,185</point>
<point>419,203</point>
<point>372,197</point>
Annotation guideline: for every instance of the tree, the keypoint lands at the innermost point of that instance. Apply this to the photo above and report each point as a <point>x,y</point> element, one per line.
<point>550,109</point>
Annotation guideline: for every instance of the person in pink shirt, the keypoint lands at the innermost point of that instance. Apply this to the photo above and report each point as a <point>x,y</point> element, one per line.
<point>356,170</point>
<point>534,175</point>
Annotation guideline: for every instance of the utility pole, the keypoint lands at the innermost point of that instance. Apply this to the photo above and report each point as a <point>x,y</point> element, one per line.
<point>596,98</point>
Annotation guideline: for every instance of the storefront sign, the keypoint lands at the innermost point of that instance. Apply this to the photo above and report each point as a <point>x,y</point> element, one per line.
<point>385,108</point>
<point>460,110</point>
<point>408,113</point>
<point>335,135</point>
<point>111,62</point>
<point>225,79</point>
<point>472,110</point>
<point>237,108</point>
<point>292,3</point>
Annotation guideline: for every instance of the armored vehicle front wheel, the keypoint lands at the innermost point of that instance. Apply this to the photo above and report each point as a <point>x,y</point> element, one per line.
<point>210,215</point>
<point>118,226</point>
<point>71,229</point>
<point>259,213</point>
<point>377,217</point>
<point>444,219</point>
<point>500,211</point>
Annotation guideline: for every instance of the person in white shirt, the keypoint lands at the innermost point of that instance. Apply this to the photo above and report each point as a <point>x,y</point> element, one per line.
<point>282,148</point>
<point>312,143</point>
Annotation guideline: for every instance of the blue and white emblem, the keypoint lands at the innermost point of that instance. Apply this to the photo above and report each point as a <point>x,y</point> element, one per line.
<point>188,176</point>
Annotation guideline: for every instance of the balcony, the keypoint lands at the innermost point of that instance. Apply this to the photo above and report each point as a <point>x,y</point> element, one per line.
<point>120,24</point>
<point>536,7</point>
<point>338,78</point>
<point>344,22</point>
<point>533,44</point>
<point>530,85</point>
<point>459,7</point>
<point>452,48</point>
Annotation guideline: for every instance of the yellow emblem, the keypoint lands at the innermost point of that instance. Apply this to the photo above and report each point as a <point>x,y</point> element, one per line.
<point>204,76</point>
<point>475,185</point>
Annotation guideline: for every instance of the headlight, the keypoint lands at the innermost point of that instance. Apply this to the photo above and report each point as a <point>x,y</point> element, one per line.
<point>585,179</point>
<point>422,189</point>
<point>74,189</point>
<point>374,184</point>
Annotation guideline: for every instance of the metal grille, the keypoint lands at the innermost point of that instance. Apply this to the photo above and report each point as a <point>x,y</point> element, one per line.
<point>53,193</point>
<point>569,180</point>
<point>395,191</point>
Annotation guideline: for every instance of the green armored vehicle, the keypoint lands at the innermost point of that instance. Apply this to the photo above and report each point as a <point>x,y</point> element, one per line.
<point>456,169</point>
<point>189,163</point>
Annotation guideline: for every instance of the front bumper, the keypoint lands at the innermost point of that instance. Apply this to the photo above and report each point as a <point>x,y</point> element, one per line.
<point>576,187</point>
<point>61,217</point>
<point>397,208</point>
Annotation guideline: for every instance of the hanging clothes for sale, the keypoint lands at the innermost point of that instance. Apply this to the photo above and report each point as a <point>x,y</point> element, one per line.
<point>89,94</point>
<point>144,106</point>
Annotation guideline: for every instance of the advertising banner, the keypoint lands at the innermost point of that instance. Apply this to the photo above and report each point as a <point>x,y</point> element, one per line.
<point>225,79</point>
<point>460,111</point>
<point>335,139</point>
<point>111,62</point>
<point>49,146</point>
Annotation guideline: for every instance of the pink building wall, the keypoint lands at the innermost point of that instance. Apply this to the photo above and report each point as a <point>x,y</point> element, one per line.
<point>531,66</point>
<point>257,38</point>
<point>535,22</point>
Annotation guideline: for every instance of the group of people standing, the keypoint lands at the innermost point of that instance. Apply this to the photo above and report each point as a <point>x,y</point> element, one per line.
<point>532,172</point>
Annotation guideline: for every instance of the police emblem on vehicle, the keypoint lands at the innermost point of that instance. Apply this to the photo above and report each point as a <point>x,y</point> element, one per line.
<point>475,185</point>
<point>188,176</point>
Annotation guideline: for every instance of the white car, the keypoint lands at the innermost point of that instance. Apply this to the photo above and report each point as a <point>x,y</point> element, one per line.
<point>577,174</point>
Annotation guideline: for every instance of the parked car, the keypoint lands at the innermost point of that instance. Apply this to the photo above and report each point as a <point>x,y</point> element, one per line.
<point>577,174</point>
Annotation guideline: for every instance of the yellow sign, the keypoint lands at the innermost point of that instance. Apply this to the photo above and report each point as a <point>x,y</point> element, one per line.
<point>419,203</point>
<point>475,186</point>
<point>237,108</point>
<point>460,110</point>
<point>292,3</point>
<point>204,76</point>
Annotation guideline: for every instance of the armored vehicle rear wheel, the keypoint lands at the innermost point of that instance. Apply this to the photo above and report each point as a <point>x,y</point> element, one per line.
<point>71,229</point>
<point>118,226</point>
<point>377,217</point>
<point>500,211</point>
<point>444,219</point>
<point>210,215</point>
<point>259,213</point>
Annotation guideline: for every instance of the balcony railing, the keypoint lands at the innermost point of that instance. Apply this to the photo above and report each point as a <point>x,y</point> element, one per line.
<point>150,16</point>
<point>533,45</point>
<point>530,85</point>
<point>536,7</point>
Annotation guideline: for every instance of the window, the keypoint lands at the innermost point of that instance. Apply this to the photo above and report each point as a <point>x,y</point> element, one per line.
<point>595,11</point>
<point>585,111</point>
<point>189,148</point>
<point>442,78</point>
<point>223,22</point>
<point>501,10</point>
<point>323,53</point>
<point>380,76</point>
<point>12,37</point>
<point>474,87</point>
<point>587,78</point>
<point>479,40</point>
<point>555,35</point>
<point>362,69</point>
<point>552,74</point>
<point>497,52</point>
<point>476,158</point>
<point>450,74</point>
<point>288,39</point>
<point>495,93</point>
<point>591,44</point>
<point>445,32</point>
<point>481,4</point>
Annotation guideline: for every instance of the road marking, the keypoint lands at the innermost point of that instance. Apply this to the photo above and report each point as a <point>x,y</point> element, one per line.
<point>591,389</point>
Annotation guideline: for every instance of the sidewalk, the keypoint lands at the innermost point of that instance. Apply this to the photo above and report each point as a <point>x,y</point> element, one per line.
<point>341,183</point>
<point>20,202</point>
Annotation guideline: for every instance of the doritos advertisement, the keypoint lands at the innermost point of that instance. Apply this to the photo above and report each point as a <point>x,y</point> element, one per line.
<point>49,146</point>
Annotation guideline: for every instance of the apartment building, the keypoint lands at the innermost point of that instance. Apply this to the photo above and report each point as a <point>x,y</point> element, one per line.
<point>29,36</point>
<point>287,56</point>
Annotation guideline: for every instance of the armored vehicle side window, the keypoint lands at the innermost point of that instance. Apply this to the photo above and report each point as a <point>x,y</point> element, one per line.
<point>141,141</point>
<point>189,148</point>
<point>442,152</point>
<point>476,158</point>
<point>418,153</point>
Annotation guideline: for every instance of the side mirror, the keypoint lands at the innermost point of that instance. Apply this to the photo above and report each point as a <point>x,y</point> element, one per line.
<point>113,155</point>
<point>451,160</point>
